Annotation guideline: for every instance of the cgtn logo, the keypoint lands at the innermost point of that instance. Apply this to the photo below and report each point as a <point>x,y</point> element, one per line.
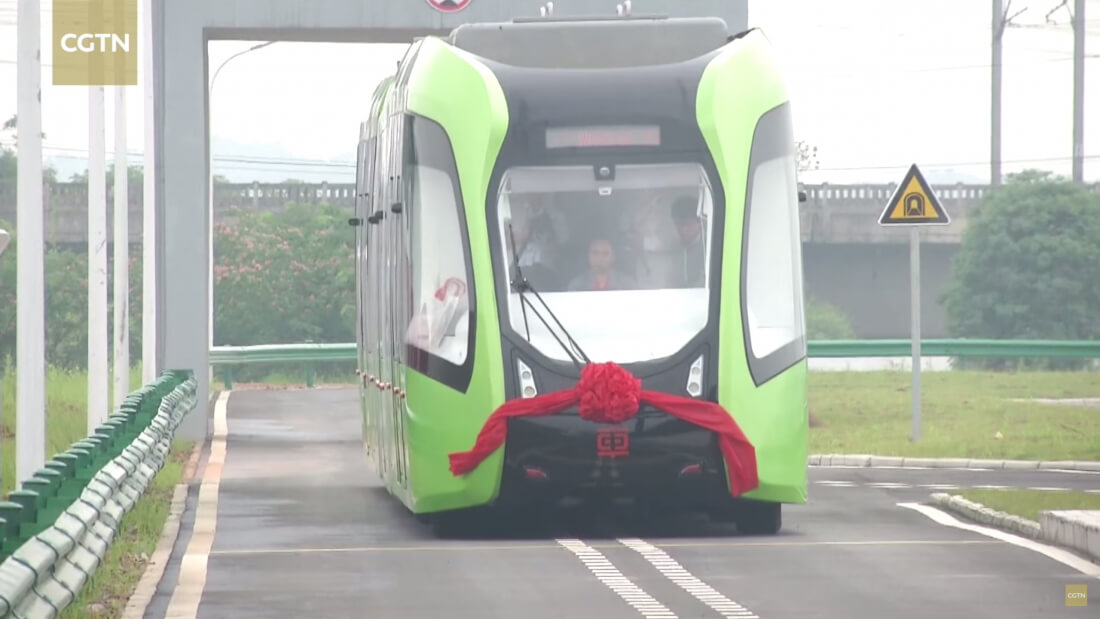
<point>95,42</point>
<point>1076,595</point>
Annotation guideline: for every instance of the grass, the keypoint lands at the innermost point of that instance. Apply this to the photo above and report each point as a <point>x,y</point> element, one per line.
<point>1028,503</point>
<point>66,416</point>
<point>965,414</point>
<point>107,591</point>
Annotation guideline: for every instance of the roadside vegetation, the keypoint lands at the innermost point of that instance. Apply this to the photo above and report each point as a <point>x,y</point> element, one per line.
<point>1028,503</point>
<point>110,587</point>
<point>964,414</point>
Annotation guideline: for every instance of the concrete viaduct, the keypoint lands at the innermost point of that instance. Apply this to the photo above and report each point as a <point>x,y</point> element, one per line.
<point>850,261</point>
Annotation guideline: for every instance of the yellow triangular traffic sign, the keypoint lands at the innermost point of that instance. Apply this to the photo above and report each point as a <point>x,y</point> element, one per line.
<point>914,204</point>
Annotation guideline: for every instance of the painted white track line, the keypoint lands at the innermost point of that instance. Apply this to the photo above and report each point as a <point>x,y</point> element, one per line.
<point>1062,556</point>
<point>703,592</point>
<point>834,483</point>
<point>192,577</point>
<point>609,575</point>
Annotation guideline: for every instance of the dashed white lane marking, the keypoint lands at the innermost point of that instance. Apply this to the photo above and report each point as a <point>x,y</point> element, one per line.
<point>886,484</point>
<point>672,570</point>
<point>1062,556</point>
<point>1047,489</point>
<point>609,575</point>
<point>192,575</point>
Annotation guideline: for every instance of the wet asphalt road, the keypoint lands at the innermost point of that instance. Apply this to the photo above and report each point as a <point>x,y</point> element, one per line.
<point>304,530</point>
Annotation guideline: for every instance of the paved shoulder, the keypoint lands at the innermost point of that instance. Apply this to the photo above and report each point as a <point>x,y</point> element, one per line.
<point>302,528</point>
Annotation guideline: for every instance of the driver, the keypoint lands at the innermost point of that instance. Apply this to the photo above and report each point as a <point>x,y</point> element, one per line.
<point>601,274</point>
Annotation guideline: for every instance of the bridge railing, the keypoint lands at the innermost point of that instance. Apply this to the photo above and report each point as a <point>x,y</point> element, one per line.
<point>225,358</point>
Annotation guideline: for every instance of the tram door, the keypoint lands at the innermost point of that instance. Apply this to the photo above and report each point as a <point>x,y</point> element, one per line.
<point>362,287</point>
<point>396,282</point>
<point>404,291</point>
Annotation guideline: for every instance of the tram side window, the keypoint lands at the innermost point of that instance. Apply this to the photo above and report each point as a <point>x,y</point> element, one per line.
<point>774,266</point>
<point>440,321</point>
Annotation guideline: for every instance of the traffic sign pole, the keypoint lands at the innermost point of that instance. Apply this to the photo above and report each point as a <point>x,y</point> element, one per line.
<point>914,204</point>
<point>914,309</point>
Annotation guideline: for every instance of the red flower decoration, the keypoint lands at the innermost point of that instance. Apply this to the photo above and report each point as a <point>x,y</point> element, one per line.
<point>608,393</point>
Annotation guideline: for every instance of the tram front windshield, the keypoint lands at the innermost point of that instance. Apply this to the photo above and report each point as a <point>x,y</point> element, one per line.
<point>619,254</point>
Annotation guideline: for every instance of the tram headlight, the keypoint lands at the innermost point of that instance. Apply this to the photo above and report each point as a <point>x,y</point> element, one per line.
<point>526,380</point>
<point>695,378</point>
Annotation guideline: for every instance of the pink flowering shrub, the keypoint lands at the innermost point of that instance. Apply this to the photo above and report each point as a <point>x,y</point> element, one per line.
<point>284,277</point>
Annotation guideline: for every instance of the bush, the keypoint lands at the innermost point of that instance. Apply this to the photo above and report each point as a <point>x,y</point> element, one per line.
<point>827,322</point>
<point>1029,267</point>
<point>286,277</point>
<point>66,272</point>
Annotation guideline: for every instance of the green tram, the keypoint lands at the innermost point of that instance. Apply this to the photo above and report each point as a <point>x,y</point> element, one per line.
<point>534,194</point>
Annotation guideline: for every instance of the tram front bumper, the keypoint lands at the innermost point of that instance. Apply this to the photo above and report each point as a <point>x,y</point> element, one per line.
<point>651,454</point>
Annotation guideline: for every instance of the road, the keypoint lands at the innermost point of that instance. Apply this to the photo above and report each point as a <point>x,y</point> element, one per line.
<point>288,522</point>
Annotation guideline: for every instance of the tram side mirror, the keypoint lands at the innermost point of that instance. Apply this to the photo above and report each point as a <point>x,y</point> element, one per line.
<point>396,207</point>
<point>355,221</point>
<point>801,196</point>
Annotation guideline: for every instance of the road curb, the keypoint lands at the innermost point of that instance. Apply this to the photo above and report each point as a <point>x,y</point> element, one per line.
<point>1078,529</point>
<point>872,461</point>
<point>146,588</point>
<point>1075,529</point>
<point>984,515</point>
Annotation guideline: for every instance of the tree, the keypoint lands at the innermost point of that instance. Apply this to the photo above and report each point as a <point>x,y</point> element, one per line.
<point>12,125</point>
<point>9,162</point>
<point>1029,266</point>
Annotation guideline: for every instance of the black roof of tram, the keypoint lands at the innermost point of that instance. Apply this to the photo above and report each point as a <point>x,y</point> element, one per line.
<point>592,43</point>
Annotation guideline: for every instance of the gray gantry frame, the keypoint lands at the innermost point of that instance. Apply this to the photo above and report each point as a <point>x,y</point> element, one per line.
<point>181,31</point>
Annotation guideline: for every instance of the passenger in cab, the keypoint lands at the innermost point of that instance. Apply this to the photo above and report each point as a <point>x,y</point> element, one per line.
<point>693,266</point>
<point>533,236</point>
<point>601,273</point>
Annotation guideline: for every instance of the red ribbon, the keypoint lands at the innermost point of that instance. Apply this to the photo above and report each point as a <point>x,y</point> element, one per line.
<point>608,393</point>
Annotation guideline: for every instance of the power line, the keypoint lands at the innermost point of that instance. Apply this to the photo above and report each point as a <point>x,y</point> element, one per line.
<point>302,163</point>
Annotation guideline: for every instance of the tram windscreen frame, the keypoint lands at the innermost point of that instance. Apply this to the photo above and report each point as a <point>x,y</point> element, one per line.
<point>559,215</point>
<point>603,136</point>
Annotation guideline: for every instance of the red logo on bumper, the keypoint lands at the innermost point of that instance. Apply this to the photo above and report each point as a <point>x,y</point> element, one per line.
<point>612,443</point>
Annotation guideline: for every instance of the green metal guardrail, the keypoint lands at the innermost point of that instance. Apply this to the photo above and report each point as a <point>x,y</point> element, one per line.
<point>956,348</point>
<point>306,354</point>
<point>55,531</point>
<point>309,354</point>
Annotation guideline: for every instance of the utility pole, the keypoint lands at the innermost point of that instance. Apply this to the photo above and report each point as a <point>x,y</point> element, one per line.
<point>995,112</point>
<point>1079,91</point>
<point>1001,20</point>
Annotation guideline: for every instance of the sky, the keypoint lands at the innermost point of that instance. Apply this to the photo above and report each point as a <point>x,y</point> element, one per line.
<point>874,85</point>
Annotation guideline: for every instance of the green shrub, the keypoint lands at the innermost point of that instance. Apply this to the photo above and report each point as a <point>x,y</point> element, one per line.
<point>825,321</point>
<point>1028,268</point>
<point>284,277</point>
<point>66,272</point>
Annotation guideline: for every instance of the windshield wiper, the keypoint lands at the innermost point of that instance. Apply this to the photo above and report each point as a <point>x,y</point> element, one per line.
<point>521,285</point>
